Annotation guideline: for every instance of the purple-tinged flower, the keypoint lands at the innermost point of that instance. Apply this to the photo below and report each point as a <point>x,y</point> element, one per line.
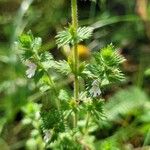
<point>30,72</point>
<point>95,90</point>
<point>47,136</point>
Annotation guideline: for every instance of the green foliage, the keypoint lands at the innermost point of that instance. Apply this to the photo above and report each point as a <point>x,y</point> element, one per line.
<point>105,66</point>
<point>32,121</point>
<point>53,119</point>
<point>119,122</point>
<point>65,141</point>
<point>126,109</point>
<point>125,102</point>
<point>56,117</point>
<point>147,72</point>
<point>65,98</point>
<point>93,106</point>
<point>26,41</point>
<point>110,56</point>
<point>84,33</point>
<point>46,60</point>
<point>63,67</point>
<point>69,37</point>
<point>109,144</point>
<point>29,45</point>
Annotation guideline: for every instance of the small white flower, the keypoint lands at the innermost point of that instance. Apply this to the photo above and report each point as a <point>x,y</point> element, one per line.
<point>30,72</point>
<point>47,136</point>
<point>95,90</point>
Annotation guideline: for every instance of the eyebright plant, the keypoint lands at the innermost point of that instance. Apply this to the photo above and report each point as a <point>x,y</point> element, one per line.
<point>67,119</point>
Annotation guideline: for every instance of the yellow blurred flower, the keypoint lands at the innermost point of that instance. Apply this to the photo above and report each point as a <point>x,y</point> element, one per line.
<point>83,51</point>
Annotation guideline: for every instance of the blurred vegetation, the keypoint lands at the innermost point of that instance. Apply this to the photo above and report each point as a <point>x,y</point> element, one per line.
<point>124,23</point>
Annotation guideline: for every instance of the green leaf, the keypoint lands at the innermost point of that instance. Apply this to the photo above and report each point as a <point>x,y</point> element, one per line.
<point>47,60</point>
<point>69,37</point>
<point>104,82</point>
<point>115,75</point>
<point>25,41</point>
<point>44,83</point>
<point>26,55</point>
<point>64,99</point>
<point>110,56</point>
<point>37,44</point>
<point>64,38</point>
<point>105,65</point>
<point>84,33</point>
<point>62,66</point>
<point>29,42</point>
<point>124,102</point>
<point>66,141</point>
<point>63,95</point>
<point>53,119</point>
<point>44,88</point>
<point>38,75</point>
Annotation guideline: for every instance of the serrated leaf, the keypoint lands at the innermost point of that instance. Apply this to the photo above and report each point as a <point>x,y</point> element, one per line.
<point>38,75</point>
<point>84,33</point>
<point>47,60</point>
<point>62,66</point>
<point>67,37</point>
<point>64,38</point>
<point>64,99</point>
<point>37,44</point>
<point>53,119</point>
<point>104,82</point>
<point>44,88</point>
<point>25,41</point>
<point>125,101</point>
<point>105,65</point>
<point>111,56</point>
<point>63,95</point>
<point>26,55</point>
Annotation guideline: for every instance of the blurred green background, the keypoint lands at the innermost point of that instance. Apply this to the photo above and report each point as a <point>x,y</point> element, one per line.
<point>126,24</point>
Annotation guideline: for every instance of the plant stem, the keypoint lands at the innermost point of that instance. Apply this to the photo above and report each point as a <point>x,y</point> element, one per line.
<point>50,81</point>
<point>74,14</point>
<point>76,59</point>
<point>75,119</point>
<point>87,122</point>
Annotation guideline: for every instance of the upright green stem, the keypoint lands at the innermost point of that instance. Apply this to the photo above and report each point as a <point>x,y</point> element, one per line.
<point>76,81</point>
<point>74,14</point>
<point>50,81</point>
<point>87,122</point>
<point>76,59</point>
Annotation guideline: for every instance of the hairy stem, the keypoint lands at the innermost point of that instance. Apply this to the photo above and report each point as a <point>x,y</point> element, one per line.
<point>76,59</point>
<point>87,122</point>
<point>74,14</point>
<point>50,81</point>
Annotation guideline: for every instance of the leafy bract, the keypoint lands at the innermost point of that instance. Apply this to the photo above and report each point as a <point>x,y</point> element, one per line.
<point>62,66</point>
<point>69,37</point>
<point>105,66</point>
